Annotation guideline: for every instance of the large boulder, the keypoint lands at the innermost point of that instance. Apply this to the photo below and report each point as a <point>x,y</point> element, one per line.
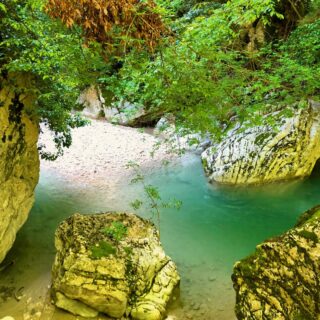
<point>127,114</point>
<point>114,264</point>
<point>180,140</point>
<point>92,102</point>
<point>123,114</point>
<point>264,154</point>
<point>281,280</point>
<point>19,159</point>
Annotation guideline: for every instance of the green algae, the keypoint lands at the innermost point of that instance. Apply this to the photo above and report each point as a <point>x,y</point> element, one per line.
<point>309,235</point>
<point>103,249</point>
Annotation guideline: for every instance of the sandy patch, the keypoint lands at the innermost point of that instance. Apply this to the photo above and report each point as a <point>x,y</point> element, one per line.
<point>100,152</point>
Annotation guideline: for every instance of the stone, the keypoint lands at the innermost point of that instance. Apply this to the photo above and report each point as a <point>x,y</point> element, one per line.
<point>266,154</point>
<point>92,102</point>
<point>180,139</point>
<point>118,273</point>
<point>19,159</point>
<point>74,306</point>
<point>281,280</point>
<point>123,113</point>
<point>127,114</point>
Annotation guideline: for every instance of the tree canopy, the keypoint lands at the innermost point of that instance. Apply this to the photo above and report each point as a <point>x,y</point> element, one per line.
<point>209,63</point>
<point>112,23</point>
<point>63,61</point>
<point>229,61</point>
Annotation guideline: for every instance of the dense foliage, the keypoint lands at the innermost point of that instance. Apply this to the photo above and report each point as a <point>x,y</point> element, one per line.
<point>60,66</point>
<point>114,23</point>
<point>225,64</point>
<point>222,61</point>
<point>62,61</point>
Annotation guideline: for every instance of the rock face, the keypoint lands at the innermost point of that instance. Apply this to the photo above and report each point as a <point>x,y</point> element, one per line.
<point>281,280</point>
<point>263,154</point>
<point>19,161</point>
<point>113,264</point>
<point>178,139</point>
<point>125,114</point>
<point>92,101</point>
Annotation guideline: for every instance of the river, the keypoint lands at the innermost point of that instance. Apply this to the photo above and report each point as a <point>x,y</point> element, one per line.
<point>215,227</point>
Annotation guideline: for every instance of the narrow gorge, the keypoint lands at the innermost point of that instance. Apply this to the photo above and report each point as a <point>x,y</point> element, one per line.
<point>159,160</point>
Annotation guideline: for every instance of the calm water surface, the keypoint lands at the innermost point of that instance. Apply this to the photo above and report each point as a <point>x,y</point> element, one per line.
<point>215,227</point>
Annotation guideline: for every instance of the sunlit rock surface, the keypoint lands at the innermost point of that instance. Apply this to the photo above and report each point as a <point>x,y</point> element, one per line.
<point>92,102</point>
<point>180,139</point>
<point>266,154</point>
<point>94,106</point>
<point>95,272</point>
<point>19,160</point>
<point>281,280</point>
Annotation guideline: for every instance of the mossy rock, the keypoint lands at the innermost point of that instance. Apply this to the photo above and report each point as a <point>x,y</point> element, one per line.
<point>281,280</point>
<point>112,263</point>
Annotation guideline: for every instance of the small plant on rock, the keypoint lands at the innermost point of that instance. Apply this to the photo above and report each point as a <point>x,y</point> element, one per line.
<point>152,195</point>
<point>117,231</point>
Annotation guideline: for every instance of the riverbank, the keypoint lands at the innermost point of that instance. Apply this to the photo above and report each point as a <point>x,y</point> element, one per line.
<point>101,151</point>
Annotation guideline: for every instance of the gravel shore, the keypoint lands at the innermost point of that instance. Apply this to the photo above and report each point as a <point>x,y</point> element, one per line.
<point>100,152</point>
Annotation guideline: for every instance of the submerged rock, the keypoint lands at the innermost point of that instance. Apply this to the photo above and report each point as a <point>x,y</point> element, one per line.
<point>266,154</point>
<point>19,159</point>
<point>281,280</point>
<point>114,264</point>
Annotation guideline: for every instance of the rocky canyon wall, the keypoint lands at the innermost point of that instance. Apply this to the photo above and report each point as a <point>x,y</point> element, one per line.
<point>19,159</point>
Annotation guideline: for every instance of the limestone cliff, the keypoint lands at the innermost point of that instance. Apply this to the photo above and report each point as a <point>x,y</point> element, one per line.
<point>264,154</point>
<point>281,280</point>
<point>19,160</point>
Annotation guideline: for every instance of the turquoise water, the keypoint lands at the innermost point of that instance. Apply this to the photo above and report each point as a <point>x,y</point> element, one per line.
<point>215,227</point>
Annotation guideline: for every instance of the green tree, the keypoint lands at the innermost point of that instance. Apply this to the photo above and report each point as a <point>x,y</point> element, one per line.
<point>235,62</point>
<point>222,62</point>
<point>55,59</point>
<point>60,61</point>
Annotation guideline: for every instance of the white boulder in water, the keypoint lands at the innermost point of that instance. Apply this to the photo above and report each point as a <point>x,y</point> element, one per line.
<point>114,264</point>
<point>264,154</point>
